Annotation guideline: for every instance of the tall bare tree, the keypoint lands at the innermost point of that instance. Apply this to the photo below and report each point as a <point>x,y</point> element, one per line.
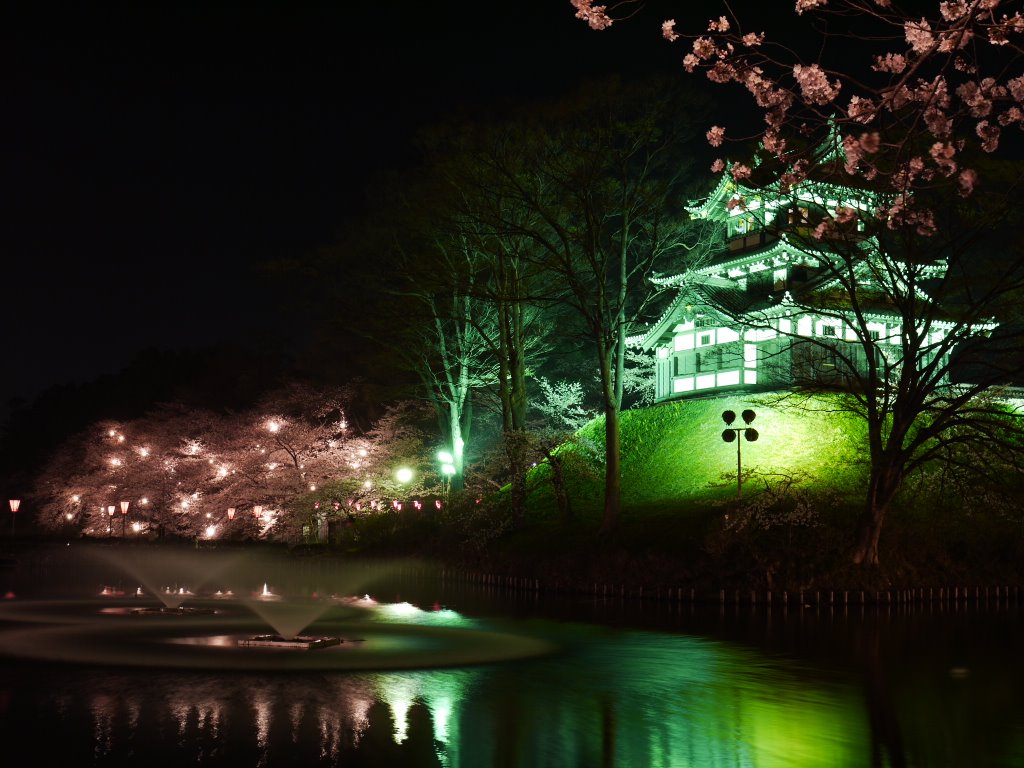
<point>596,184</point>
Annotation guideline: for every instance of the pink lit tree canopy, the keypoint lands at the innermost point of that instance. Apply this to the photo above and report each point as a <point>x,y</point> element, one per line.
<point>295,456</point>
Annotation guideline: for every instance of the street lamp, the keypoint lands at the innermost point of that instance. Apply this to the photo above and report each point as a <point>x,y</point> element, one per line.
<point>231,513</point>
<point>731,434</point>
<point>15,505</point>
<point>403,475</point>
<point>124,515</point>
<point>110,519</point>
<point>257,511</point>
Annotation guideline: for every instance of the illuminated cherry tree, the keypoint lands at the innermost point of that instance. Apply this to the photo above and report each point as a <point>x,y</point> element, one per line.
<point>156,465</point>
<point>280,471</point>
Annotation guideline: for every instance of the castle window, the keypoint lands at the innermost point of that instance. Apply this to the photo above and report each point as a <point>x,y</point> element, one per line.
<point>799,216</point>
<point>750,355</point>
<point>779,277</point>
<point>704,340</point>
<point>829,330</point>
<point>742,224</point>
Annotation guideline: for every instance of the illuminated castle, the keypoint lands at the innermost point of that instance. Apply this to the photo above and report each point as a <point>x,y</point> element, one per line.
<point>770,310</point>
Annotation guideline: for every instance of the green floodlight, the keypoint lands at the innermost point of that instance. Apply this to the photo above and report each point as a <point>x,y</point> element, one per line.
<point>445,458</point>
<point>403,475</point>
<point>448,469</point>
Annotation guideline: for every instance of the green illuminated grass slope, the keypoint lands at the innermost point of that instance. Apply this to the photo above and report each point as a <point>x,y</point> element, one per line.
<point>676,450</point>
<point>674,455</point>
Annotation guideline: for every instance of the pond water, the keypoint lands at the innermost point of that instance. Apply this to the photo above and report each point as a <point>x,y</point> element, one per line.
<point>432,671</point>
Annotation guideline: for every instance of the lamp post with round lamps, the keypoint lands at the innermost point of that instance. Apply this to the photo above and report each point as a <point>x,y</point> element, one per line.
<point>733,434</point>
<point>15,505</point>
<point>124,515</point>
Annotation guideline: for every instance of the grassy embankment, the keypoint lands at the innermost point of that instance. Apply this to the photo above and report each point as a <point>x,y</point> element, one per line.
<point>683,527</point>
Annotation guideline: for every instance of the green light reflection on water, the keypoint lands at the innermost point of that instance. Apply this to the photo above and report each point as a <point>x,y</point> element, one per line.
<point>661,701</point>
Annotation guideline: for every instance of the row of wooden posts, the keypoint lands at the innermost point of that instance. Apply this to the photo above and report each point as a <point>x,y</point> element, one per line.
<point>817,597</point>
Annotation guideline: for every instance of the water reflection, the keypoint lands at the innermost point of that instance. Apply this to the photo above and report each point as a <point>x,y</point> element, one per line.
<point>610,698</point>
<point>688,689</point>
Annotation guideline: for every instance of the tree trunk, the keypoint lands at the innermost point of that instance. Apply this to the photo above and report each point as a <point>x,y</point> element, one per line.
<point>515,444</point>
<point>455,421</point>
<point>558,482</point>
<point>612,471</point>
<point>882,488</point>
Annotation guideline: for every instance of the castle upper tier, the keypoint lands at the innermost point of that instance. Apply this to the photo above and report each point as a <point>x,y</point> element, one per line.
<point>769,310</point>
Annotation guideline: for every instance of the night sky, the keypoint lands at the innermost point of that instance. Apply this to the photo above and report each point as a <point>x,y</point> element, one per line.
<point>151,156</point>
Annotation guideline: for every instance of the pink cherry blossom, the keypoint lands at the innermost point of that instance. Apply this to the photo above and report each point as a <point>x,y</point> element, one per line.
<point>953,9</point>
<point>939,123</point>
<point>861,110</point>
<point>999,33</point>
<point>773,143</point>
<point>704,48</point>
<point>740,171</point>
<point>975,98</point>
<point>668,30</point>
<point>919,35</point>
<point>853,152</point>
<point>989,135</point>
<point>715,135</point>
<point>596,16</point>
<point>1011,115</point>
<point>721,25</point>
<point>1016,87</point>
<point>943,154</point>
<point>807,5</point>
<point>966,181</point>
<point>814,85</point>
<point>870,142</point>
<point>845,214</point>
<point>957,38</point>
<point>890,62</point>
<point>722,72</point>
<point>825,228</point>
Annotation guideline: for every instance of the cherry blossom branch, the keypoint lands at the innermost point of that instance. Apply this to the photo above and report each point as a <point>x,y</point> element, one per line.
<point>924,92</point>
